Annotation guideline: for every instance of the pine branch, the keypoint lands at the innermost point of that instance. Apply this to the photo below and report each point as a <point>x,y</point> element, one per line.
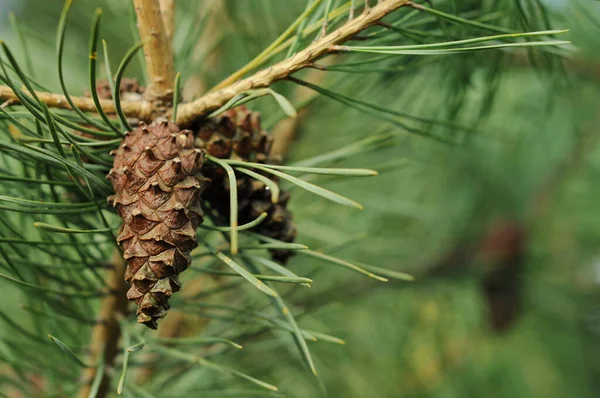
<point>281,70</point>
<point>156,19</point>
<point>136,109</point>
<point>158,52</point>
<point>159,57</point>
<point>106,334</point>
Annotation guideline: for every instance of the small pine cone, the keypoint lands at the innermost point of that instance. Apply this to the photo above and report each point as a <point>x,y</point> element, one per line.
<point>237,134</point>
<point>158,184</point>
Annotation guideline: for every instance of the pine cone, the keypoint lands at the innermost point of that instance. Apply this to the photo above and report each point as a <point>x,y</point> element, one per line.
<point>237,134</point>
<point>157,182</point>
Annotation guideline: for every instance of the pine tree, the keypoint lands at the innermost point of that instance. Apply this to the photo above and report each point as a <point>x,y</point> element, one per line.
<point>194,223</point>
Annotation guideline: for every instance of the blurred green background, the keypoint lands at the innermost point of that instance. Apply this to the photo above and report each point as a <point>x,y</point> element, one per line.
<point>516,204</point>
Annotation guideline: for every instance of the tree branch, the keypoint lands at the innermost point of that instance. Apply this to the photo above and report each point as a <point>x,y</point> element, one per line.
<point>158,52</point>
<point>106,334</point>
<point>137,109</point>
<point>264,78</point>
<point>159,60</point>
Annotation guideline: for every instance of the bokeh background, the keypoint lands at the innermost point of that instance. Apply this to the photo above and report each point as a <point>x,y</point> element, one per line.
<point>501,232</point>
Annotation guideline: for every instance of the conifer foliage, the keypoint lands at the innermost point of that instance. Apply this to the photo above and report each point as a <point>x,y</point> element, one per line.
<point>197,185</point>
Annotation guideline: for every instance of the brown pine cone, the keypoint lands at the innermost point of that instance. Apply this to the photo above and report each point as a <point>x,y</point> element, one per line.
<point>237,134</point>
<point>158,183</point>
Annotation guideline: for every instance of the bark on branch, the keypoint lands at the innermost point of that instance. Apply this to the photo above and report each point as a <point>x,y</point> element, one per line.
<point>158,52</point>
<point>264,78</point>
<point>131,108</point>
<point>159,59</point>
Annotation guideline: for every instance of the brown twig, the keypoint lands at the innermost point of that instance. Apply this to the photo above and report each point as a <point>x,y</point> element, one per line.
<point>158,52</point>
<point>264,78</point>
<point>106,333</point>
<point>133,109</point>
<point>159,62</point>
<point>167,9</point>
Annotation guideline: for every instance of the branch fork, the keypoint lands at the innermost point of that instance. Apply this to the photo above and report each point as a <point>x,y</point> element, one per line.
<point>281,70</point>
<point>159,59</point>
